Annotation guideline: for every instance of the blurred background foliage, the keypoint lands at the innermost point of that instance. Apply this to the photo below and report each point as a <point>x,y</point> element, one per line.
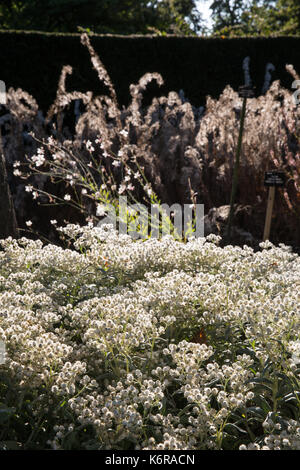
<point>102,16</point>
<point>181,17</point>
<point>255,17</point>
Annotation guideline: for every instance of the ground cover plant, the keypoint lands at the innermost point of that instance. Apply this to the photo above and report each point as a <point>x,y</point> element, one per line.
<point>148,344</point>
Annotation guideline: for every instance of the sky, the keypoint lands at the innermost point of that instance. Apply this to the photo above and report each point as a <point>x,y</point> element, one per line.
<point>203,7</point>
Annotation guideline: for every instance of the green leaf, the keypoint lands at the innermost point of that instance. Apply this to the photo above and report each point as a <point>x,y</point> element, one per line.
<point>260,400</point>
<point>256,410</point>
<point>232,428</point>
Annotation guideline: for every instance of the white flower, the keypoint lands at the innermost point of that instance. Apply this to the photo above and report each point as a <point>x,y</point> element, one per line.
<point>101,210</point>
<point>123,132</point>
<point>39,159</point>
<point>67,197</point>
<point>122,188</point>
<point>148,191</point>
<point>28,223</point>
<point>51,140</point>
<point>116,163</point>
<point>58,155</point>
<point>89,146</point>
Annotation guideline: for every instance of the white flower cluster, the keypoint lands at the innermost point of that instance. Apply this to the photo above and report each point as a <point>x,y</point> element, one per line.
<point>101,340</point>
<point>39,159</point>
<point>286,440</point>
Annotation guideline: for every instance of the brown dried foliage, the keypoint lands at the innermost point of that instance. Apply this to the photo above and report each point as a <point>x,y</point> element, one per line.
<point>181,150</point>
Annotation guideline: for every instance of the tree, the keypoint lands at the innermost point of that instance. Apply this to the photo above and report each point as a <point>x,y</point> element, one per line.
<point>228,13</point>
<point>255,17</point>
<point>102,16</point>
<point>284,18</point>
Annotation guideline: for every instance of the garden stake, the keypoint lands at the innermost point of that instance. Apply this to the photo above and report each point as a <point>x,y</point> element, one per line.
<point>272,179</point>
<point>245,92</point>
<point>268,220</point>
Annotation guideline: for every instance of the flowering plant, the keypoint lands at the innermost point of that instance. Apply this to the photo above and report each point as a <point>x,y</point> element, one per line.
<point>101,352</point>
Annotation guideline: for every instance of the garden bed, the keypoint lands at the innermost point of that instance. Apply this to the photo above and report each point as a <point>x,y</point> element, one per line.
<point>156,344</point>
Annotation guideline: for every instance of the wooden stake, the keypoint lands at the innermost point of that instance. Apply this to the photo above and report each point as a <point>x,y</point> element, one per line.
<point>268,221</point>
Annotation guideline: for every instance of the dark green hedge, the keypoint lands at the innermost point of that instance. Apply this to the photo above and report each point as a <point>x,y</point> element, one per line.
<point>199,66</point>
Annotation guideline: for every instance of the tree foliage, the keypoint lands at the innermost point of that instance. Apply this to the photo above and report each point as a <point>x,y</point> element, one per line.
<point>230,17</point>
<point>102,16</point>
<point>255,17</point>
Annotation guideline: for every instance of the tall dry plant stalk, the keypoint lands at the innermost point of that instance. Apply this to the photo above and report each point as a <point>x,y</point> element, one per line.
<point>182,152</point>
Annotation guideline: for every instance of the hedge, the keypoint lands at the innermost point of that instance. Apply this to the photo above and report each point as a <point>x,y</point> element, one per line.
<point>200,66</point>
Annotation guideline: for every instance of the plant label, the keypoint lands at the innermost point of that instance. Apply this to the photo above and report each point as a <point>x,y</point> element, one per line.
<point>274,178</point>
<point>246,91</point>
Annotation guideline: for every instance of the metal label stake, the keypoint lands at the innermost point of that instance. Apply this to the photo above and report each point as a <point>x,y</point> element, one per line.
<point>245,92</point>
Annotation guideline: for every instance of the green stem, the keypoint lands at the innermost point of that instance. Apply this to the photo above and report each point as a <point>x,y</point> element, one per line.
<point>274,394</point>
